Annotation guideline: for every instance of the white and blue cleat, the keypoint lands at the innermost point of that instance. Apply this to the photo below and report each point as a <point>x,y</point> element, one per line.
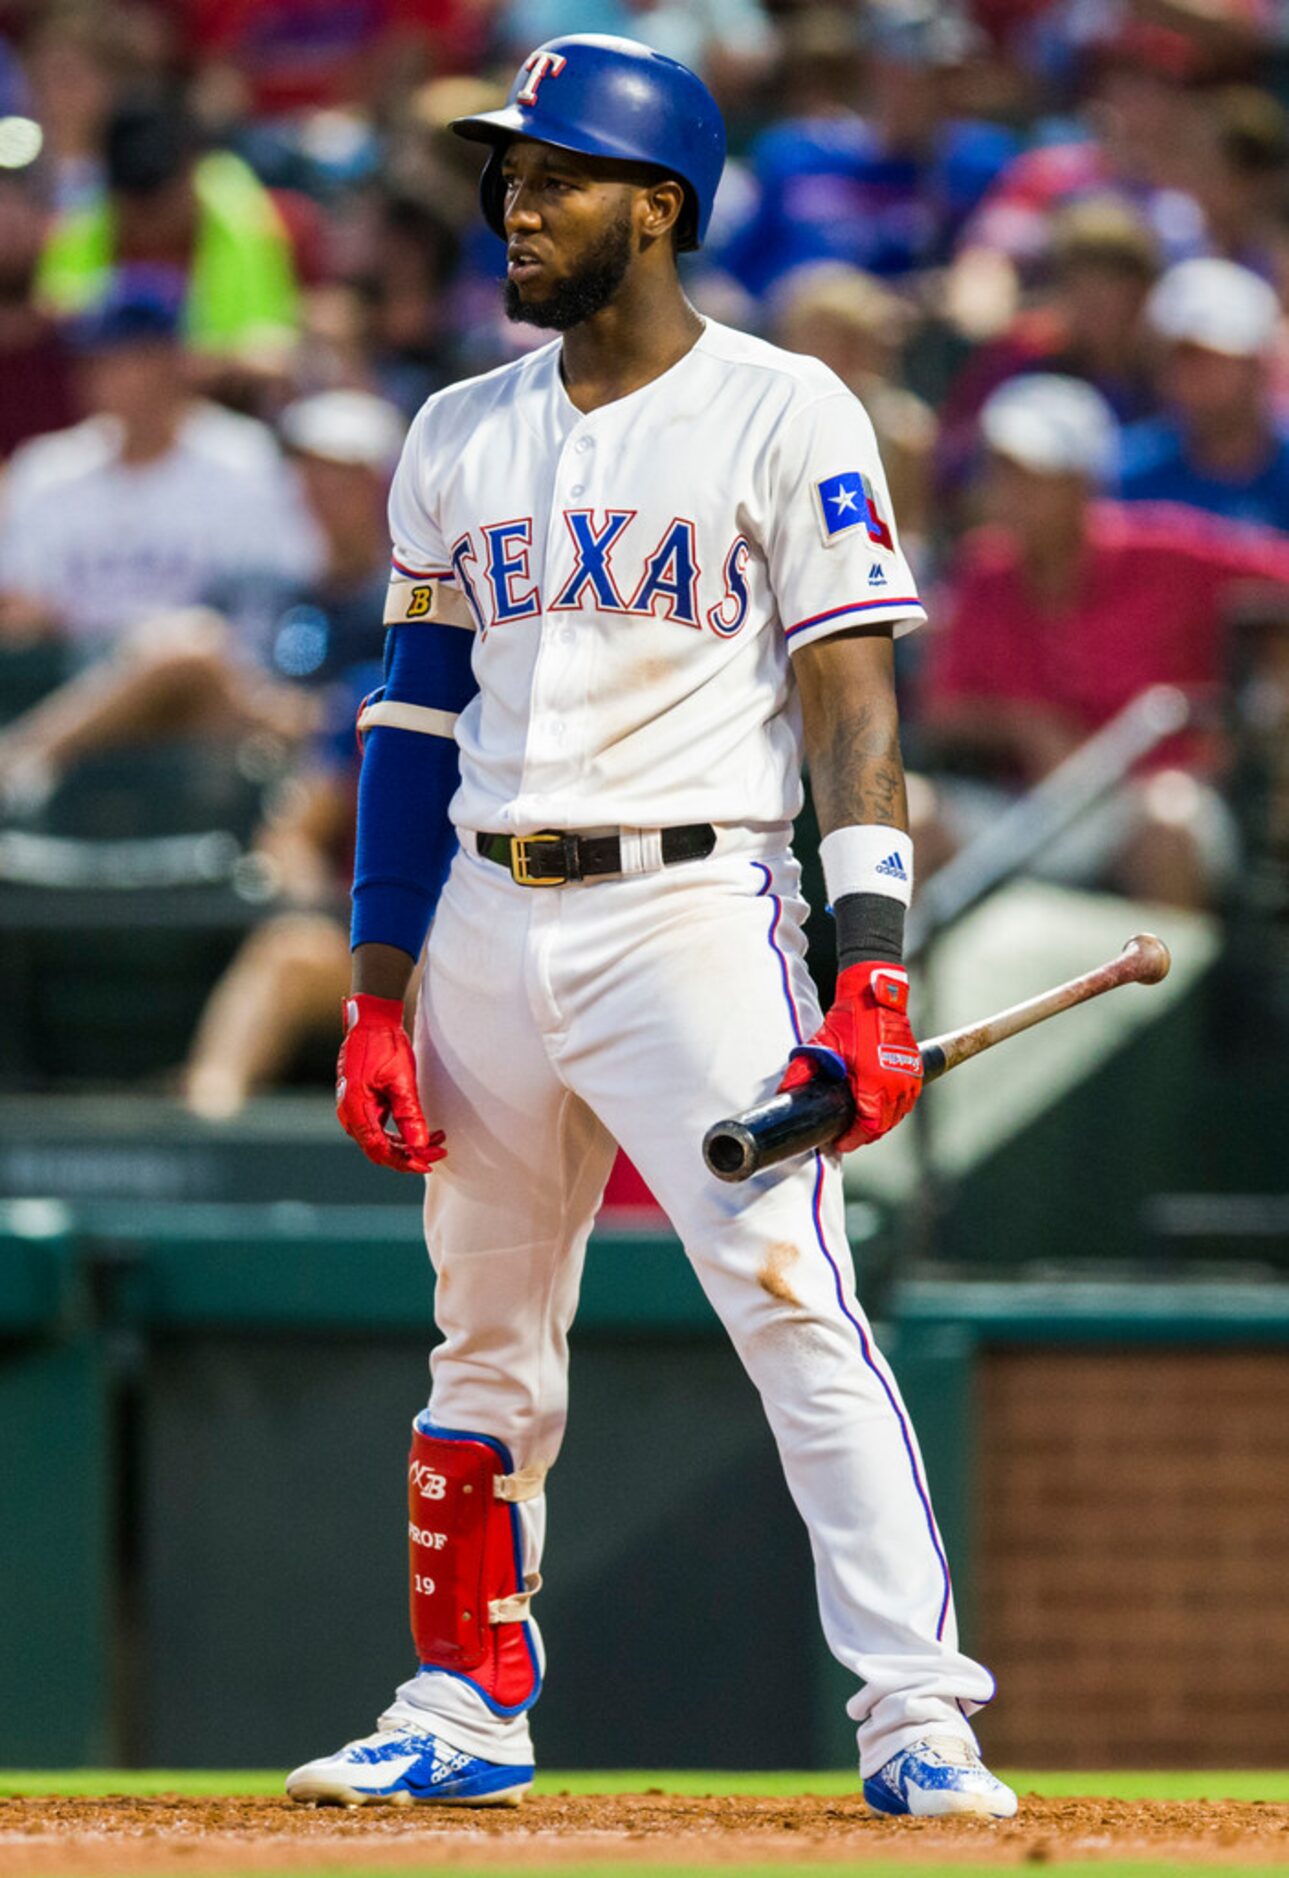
<point>403,1765</point>
<point>937,1777</point>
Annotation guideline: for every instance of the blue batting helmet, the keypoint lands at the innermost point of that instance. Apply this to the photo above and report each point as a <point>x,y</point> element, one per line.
<point>612,98</point>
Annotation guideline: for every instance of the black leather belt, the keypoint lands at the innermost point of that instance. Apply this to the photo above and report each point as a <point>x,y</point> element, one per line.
<point>552,859</point>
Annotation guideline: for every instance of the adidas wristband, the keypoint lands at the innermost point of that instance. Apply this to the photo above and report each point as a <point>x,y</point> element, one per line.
<point>867,857</point>
<point>868,870</point>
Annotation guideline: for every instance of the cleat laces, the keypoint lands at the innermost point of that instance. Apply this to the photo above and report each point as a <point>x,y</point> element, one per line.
<point>953,1751</point>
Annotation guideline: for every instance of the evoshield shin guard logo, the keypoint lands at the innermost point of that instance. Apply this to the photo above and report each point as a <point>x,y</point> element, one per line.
<point>428,1484</point>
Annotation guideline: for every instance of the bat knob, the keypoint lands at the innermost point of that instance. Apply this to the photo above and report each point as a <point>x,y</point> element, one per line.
<point>1153,955</point>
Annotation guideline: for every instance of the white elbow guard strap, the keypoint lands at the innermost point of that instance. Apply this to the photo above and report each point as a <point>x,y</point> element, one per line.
<point>400,716</point>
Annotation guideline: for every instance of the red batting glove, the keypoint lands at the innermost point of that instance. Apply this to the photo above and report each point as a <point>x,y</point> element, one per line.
<point>376,1082</point>
<point>866,1039</point>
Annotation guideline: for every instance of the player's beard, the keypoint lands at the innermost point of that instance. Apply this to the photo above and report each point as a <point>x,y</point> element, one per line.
<point>584,293</point>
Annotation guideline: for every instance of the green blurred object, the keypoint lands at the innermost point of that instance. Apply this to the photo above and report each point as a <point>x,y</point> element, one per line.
<point>56,1460</point>
<point>241,284</point>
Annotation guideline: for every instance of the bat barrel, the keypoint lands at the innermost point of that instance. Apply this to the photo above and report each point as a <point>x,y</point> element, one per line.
<point>795,1123</point>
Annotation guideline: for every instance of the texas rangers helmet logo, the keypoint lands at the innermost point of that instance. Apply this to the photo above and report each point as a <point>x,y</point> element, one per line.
<point>539,65</point>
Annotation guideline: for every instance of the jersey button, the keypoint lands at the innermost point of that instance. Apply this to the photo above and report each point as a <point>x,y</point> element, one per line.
<point>578,489</point>
<point>584,443</point>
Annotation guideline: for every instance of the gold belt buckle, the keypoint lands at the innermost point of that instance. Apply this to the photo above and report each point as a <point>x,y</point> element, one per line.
<point>524,868</point>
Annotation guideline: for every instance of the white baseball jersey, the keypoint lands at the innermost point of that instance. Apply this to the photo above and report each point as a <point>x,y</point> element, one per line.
<point>637,578</point>
<point>106,542</point>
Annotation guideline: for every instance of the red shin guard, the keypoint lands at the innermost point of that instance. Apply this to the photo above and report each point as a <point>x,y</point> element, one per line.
<point>469,1596</point>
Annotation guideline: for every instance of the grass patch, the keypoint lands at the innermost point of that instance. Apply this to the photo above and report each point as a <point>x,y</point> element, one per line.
<point>130,1783</point>
<point>1271,1786</point>
<point>1268,1785</point>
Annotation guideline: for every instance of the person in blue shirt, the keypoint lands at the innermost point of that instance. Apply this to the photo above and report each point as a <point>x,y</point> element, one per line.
<point>1219,445</point>
<point>885,191</point>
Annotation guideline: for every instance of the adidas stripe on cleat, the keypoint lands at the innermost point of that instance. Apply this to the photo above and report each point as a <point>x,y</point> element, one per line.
<point>405,1766</point>
<point>936,1777</point>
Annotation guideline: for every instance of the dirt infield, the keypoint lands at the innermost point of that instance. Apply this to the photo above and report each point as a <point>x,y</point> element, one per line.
<point>167,1832</point>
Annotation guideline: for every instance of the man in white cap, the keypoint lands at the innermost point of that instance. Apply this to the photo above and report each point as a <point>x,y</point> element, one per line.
<point>1219,447</point>
<point>1059,611</point>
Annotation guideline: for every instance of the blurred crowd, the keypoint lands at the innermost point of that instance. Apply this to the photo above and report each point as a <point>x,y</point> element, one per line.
<point>1045,241</point>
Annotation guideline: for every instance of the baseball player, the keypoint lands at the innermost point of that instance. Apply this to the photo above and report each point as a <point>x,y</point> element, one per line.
<point>637,575</point>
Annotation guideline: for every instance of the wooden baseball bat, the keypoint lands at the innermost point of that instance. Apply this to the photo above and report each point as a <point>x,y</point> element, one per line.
<point>817,1114</point>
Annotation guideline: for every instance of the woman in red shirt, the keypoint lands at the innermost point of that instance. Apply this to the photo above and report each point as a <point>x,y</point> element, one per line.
<point>1055,616</point>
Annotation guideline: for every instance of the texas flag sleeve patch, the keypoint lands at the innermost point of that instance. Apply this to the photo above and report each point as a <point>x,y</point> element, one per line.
<point>847,501</point>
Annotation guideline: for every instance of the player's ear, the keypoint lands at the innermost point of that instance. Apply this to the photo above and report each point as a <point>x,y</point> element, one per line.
<point>661,206</point>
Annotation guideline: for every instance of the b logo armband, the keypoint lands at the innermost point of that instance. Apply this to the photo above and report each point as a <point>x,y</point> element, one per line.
<point>432,593</point>
<point>414,595</point>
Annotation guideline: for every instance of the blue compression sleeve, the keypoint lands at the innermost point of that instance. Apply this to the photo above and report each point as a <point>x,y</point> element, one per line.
<point>405,841</point>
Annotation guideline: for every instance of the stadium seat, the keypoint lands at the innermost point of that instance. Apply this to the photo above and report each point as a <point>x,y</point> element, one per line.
<point>27,673</point>
<point>106,999</point>
<point>168,789</point>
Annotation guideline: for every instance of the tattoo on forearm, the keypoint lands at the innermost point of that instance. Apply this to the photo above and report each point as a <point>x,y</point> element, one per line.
<point>859,775</point>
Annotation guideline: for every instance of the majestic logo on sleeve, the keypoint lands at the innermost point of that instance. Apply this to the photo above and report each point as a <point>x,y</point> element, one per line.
<point>847,501</point>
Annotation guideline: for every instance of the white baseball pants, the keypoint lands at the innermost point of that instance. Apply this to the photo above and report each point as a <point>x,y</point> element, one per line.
<point>554,1024</point>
